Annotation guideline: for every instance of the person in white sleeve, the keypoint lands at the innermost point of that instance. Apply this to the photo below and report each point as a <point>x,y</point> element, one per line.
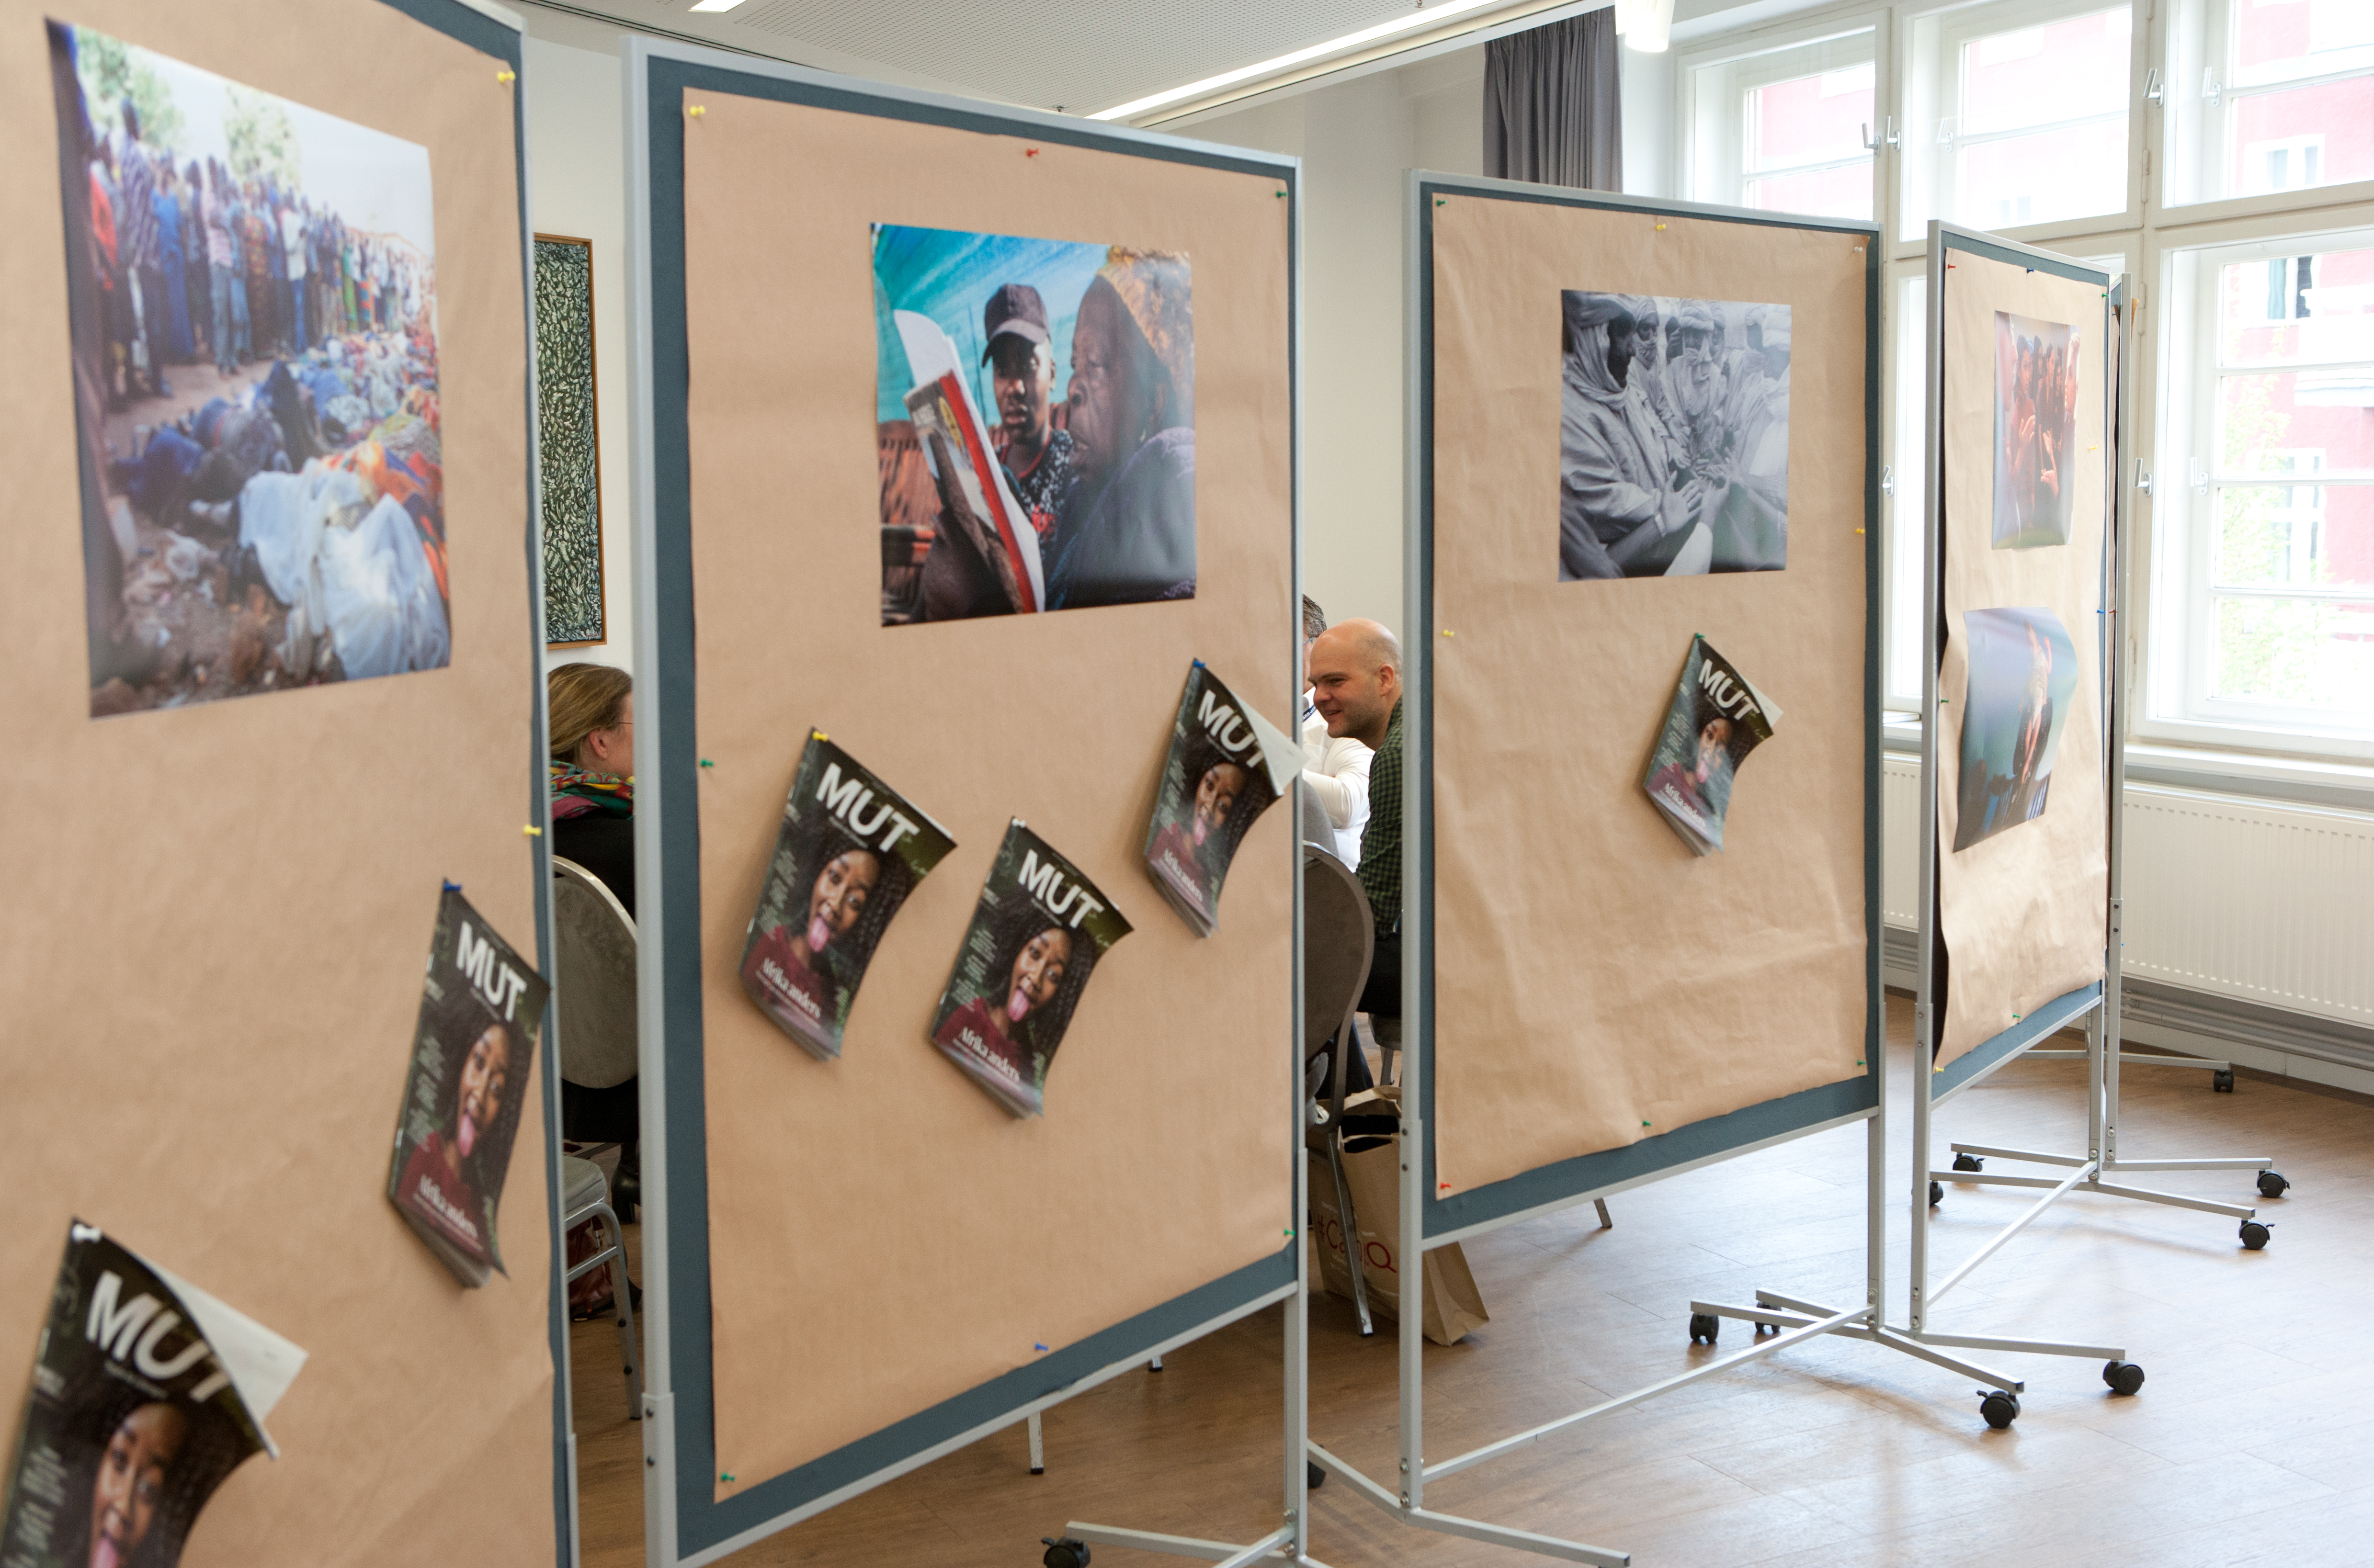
<point>1334,768</point>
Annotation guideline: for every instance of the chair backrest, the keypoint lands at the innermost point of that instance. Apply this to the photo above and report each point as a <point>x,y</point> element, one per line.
<point>1338,939</point>
<point>593,951</point>
<point>1316,828</point>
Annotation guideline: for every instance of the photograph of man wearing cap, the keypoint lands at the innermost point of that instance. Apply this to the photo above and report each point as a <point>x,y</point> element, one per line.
<point>1105,474</point>
<point>1672,464</point>
<point>1036,449</point>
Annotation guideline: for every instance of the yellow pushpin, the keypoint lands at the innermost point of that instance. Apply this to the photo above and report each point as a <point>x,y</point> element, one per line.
<point>697,110</point>
<point>507,77</point>
<point>533,831</point>
<point>1447,631</point>
<point>1661,228</point>
<point>1857,530</point>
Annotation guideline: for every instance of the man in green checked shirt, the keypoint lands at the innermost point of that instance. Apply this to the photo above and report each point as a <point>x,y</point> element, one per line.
<point>1355,683</point>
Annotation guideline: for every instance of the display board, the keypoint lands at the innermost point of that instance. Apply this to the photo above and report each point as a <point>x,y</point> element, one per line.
<point>857,1262</point>
<point>2022,862</point>
<point>226,833</point>
<point>1602,1005</point>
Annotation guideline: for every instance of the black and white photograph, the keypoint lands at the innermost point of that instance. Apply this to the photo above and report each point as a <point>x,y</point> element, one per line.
<point>1673,437</point>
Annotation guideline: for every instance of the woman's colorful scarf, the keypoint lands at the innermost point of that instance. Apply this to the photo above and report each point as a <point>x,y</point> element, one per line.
<point>576,792</point>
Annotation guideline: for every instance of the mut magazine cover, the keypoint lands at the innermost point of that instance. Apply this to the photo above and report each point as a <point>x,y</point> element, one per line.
<point>1715,721</point>
<point>147,1394</point>
<point>849,852</point>
<point>1226,766</point>
<point>481,1005</point>
<point>1035,938</point>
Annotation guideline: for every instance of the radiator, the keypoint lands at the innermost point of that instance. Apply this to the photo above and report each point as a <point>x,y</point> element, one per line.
<point>2259,900</point>
<point>2262,901</point>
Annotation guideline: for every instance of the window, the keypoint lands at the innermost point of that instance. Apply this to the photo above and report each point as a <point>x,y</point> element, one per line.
<point>2016,115</point>
<point>2269,569</point>
<point>2269,95</point>
<point>1783,130</point>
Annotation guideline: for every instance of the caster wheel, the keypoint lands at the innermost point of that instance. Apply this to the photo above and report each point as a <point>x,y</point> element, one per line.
<point>1313,1478</point>
<point>2123,1377</point>
<point>1936,1195</point>
<point>1969,1163</point>
<point>2271,1184</point>
<point>1705,1328</point>
<point>2222,1080</point>
<point>2255,1234</point>
<point>1069,1553</point>
<point>2000,1408</point>
<point>1764,1328</point>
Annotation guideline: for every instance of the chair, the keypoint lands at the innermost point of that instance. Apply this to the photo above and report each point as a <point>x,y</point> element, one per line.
<point>593,964</point>
<point>1338,941</point>
<point>585,1196</point>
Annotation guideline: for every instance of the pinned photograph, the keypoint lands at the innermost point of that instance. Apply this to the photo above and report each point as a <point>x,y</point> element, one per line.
<point>1035,424</point>
<point>252,287</point>
<point>2023,674</point>
<point>849,851</point>
<point>147,1394</point>
<point>1674,436</point>
<point>2036,421</point>
<point>1037,935</point>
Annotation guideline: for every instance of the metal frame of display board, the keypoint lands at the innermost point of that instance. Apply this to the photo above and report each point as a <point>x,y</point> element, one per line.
<point>683,1525</point>
<point>1429,1222</point>
<point>2095,1004</point>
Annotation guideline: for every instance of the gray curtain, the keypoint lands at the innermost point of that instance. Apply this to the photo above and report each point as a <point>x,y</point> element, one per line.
<point>1551,109</point>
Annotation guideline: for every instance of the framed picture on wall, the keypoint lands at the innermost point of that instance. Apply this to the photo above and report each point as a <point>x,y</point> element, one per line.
<point>568,458</point>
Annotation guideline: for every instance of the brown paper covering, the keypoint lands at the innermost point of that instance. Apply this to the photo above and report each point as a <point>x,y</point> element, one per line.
<point>2024,912</point>
<point>883,1236</point>
<point>217,917</point>
<point>1595,983</point>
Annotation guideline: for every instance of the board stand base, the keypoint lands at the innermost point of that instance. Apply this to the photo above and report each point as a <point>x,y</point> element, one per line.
<point>1275,1547</point>
<point>1968,1169</point>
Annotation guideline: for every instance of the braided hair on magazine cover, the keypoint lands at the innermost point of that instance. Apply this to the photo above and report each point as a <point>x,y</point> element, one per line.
<point>1204,754</point>
<point>1019,919</point>
<point>461,1019</point>
<point>816,843</point>
<point>210,1447</point>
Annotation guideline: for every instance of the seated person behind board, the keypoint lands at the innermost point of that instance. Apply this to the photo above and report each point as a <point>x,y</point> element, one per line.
<point>1356,683</point>
<point>1334,767</point>
<point>591,712</point>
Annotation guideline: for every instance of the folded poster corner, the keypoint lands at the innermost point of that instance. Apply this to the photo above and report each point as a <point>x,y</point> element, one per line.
<point>1715,719</point>
<point>1035,936</point>
<point>849,851</point>
<point>1226,766</point>
<point>481,1008</point>
<point>147,1393</point>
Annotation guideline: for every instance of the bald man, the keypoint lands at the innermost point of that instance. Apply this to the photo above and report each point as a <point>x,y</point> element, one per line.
<point>1356,683</point>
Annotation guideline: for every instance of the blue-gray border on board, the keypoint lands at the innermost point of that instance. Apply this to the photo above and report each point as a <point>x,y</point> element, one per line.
<point>701,1521</point>
<point>469,26</point>
<point>1753,1124</point>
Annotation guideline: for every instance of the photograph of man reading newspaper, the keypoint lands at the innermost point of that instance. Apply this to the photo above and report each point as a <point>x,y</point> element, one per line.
<point>998,496</point>
<point>1674,436</point>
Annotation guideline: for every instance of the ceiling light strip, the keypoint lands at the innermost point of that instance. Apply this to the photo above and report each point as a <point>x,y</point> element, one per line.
<point>1246,85</point>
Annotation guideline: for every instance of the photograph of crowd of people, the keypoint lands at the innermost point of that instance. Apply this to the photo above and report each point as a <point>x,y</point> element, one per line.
<point>134,1417</point>
<point>1673,437</point>
<point>2036,420</point>
<point>2023,674</point>
<point>481,1008</point>
<point>1000,498</point>
<point>1036,935</point>
<point>1714,720</point>
<point>850,851</point>
<point>252,285</point>
<point>1221,773</point>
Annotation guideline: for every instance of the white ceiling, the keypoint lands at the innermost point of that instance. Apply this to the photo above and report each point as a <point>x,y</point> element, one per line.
<point>1081,55</point>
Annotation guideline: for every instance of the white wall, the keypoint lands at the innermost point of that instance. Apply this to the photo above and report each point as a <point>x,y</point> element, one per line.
<point>577,187</point>
<point>1356,140</point>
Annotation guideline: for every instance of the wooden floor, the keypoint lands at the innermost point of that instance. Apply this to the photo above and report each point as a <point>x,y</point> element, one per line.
<point>2252,1443</point>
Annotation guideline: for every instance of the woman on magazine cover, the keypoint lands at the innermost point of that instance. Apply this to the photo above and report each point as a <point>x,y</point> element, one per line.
<point>1703,784</point>
<point>1199,846</point>
<point>442,1181</point>
<point>132,1490</point>
<point>997,1027</point>
<point>838,896</point>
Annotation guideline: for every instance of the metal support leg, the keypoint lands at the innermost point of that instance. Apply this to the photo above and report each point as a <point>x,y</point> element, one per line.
<point>1038,1445</point>
<point>1606,1223</point>
<point>614,1254</point>
<point>1353,1257</point>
